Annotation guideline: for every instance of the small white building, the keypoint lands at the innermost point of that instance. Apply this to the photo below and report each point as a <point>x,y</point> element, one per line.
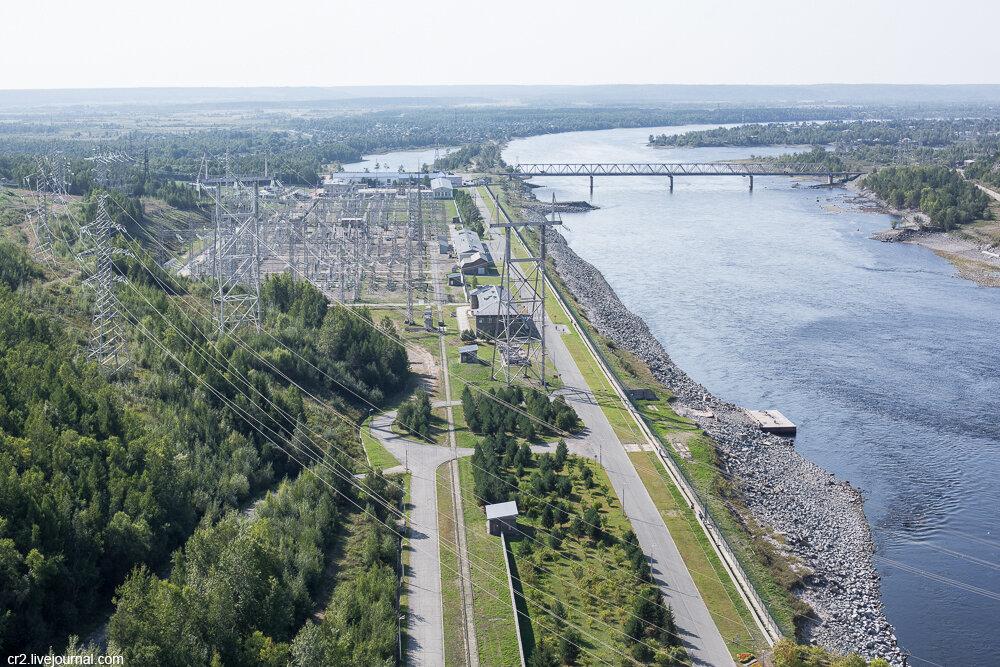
<point>501,517</point>
<point>441,188</point>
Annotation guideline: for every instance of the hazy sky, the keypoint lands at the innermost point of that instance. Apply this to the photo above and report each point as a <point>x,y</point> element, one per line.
<point>110,43</point>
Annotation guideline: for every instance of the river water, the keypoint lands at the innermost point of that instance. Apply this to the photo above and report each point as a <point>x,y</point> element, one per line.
<point>887,362</point>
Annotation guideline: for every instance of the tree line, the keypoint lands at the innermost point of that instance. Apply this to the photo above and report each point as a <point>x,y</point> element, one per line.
<point>471,216</point>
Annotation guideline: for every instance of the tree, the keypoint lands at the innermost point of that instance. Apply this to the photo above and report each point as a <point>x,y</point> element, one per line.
<point>415,415</point>
<point>561,452</point>
<point>569,646</point>
<point>548,520</point>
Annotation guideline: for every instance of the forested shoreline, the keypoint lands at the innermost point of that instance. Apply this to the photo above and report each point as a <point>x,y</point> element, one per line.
<point>945,197</point>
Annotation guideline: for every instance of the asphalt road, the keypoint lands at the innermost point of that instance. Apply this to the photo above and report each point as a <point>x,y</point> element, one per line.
<point>425,620</point>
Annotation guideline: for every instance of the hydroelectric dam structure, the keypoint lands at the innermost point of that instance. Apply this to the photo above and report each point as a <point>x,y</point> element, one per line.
<point>672,169</point>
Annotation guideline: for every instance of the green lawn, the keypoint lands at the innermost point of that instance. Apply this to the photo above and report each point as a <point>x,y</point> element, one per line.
<point>378,456</point>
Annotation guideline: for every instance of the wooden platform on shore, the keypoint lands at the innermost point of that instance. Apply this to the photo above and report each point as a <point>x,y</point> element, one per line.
<point>772,421</point>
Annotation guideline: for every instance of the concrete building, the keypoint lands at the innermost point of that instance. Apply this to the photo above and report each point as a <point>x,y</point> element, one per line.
<point>501,517</point>
<point>441,188</point>
<point>456,179</point>
<point>468,354</point>
<point>382,177</point>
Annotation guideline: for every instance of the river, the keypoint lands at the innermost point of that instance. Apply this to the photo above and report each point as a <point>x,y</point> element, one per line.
<point>887,362</point>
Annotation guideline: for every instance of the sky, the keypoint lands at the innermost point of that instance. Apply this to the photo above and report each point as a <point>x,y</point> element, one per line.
<point>112,43</point>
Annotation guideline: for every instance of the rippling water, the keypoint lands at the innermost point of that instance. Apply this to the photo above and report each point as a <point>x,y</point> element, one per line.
<point>888,363</point>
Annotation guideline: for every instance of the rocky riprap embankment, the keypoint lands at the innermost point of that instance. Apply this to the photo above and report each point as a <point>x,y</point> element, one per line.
<point>821,519</point>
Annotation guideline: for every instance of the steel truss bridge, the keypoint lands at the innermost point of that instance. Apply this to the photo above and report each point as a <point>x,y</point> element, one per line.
<point>671,169</point>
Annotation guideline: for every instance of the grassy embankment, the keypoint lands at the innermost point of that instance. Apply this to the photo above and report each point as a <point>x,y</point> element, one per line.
<point>451,593</point>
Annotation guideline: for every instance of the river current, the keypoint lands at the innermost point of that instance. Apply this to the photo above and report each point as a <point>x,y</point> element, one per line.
<point>888,363</point>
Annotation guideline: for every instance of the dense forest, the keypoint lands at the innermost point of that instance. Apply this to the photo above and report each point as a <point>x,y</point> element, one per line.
<point>946,198</point>
<point>817,155</point>
<point>100,477</point>
<point>864,142</point>
<point>241,590</point>
<point>485,156</point>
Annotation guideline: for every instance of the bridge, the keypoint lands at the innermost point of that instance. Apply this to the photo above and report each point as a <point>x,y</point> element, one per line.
<point>671,169</point>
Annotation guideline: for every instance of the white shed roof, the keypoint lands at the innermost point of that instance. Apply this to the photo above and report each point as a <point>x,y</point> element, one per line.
<point>501,510</point>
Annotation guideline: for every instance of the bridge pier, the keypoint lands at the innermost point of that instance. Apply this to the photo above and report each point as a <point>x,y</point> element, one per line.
<point>751,182</point>
<point>591,186</point>
<point>830,181</point>
<point>671,182</point>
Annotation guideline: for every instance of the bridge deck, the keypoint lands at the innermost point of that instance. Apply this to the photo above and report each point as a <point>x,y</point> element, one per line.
<point>679,169</point>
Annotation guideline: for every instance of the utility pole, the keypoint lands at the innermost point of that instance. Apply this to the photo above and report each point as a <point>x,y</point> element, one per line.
<point>51,178</point>
<point>408,267</point>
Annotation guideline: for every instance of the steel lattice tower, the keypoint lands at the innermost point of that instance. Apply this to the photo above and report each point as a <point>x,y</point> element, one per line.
<point>107,333</point>
<point>51,178</point>
<point>413,224</point>
<point>236,252</point>
<point>520,342</point>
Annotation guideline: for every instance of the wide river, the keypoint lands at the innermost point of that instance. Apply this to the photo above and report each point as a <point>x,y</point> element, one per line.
<point>887,362</point>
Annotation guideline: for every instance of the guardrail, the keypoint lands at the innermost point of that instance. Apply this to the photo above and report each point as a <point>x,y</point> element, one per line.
<point>746,583</point>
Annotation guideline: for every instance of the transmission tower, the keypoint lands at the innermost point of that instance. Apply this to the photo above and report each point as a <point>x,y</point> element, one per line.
<point>51,180</point>
<point>414,224</point>
<point>236,252</point>
<point>107,333</point>
<point>520,338</point>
